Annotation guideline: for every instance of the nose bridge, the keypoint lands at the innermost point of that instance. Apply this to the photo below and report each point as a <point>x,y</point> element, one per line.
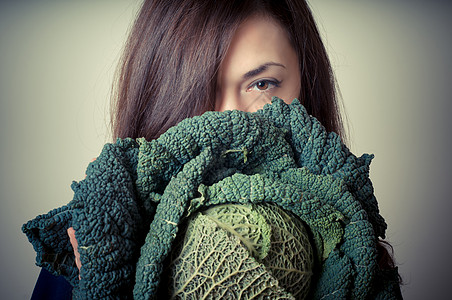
<point>227,97</point>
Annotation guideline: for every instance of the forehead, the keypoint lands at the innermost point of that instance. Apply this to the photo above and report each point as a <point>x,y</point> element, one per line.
<point>257,41</point>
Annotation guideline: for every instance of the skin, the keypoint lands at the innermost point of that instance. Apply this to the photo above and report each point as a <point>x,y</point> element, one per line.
<point>260,63</point>
<point>71,234</point>
<point>74,243</point>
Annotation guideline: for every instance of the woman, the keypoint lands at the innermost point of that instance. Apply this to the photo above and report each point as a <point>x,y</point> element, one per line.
<point>169,70</point>
<point>185,58</point>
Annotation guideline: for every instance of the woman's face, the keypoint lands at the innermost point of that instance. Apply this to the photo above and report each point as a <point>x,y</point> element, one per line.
<point>260,63</point>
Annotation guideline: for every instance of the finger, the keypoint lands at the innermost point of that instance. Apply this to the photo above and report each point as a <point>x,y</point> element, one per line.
<point>92,161</point>
<point>74,243</point>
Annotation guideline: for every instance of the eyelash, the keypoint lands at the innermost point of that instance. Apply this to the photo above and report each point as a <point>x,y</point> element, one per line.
<point>271,82</point>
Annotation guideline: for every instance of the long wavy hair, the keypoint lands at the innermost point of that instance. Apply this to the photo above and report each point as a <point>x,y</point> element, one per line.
<point>168,71</point>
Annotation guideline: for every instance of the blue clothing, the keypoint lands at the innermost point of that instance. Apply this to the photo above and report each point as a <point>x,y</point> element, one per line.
<point>50,287</point>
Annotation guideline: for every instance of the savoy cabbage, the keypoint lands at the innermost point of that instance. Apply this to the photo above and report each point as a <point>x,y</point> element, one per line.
<point>242,252</point>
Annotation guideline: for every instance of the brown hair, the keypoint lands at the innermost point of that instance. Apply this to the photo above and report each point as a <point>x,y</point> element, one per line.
<point>168,71</point>
<point>169,67</point>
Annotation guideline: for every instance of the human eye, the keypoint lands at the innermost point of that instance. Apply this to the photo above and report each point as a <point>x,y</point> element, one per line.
<point>263,85</point>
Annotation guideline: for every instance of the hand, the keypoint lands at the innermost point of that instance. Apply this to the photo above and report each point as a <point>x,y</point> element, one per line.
<point>71,233</point>
<point>92,161</point>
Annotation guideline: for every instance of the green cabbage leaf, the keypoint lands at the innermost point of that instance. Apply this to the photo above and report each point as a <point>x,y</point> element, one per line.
<point>242,252</point>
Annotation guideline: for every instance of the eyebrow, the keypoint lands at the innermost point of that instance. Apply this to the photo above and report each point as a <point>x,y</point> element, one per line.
<point>261,69</point>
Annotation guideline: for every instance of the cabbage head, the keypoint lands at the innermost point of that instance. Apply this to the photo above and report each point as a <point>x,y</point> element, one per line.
<point>236,251</point>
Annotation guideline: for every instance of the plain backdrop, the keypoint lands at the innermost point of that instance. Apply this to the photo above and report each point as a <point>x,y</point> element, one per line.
<point>394,70</point>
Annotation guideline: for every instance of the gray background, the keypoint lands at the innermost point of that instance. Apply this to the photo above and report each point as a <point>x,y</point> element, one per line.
<point>392,61</point>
